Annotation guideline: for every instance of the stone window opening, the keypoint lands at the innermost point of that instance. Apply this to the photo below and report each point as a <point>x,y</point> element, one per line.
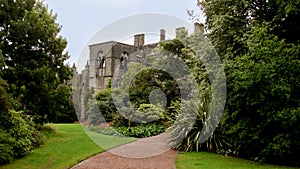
<point>124,60</point>
<point>101,60</point>
<point>100,67</point>
<point>102,64</point>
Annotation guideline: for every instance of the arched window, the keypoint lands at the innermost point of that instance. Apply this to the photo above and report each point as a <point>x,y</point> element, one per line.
<point>103,63</point>
<point>101,60</point>
<point>124,60</point>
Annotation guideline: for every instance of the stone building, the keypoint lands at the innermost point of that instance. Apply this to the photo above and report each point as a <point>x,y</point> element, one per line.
<point>108,60</point>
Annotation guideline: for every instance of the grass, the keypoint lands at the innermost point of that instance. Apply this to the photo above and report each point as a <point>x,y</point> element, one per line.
<point>204,160</point>
<point>66,148</point>
<point>71,145</point>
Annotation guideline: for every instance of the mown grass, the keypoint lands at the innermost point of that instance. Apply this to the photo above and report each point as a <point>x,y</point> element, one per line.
<point>66,148</point>
<point>70,145</point>
<point>204,160</point>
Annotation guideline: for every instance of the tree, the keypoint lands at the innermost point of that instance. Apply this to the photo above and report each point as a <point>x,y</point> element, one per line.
<point>227,21</point>
<point>196,117</point>
<point>34,54</point>
<point>258,43</point>
<point>17,134</point>
<point>262,116</point>
<point>5,104</point>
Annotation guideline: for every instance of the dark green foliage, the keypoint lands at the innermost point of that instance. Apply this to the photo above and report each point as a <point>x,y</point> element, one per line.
<point>150,79</point>
<point>2,63</point>
<point>139,131</point>
<point>186,131</point>
<point>186,127</point>
<point>120,120</point>
<point>6,150</point>
<point>259,44</point>
<point>17,134</point>
<point>105,104</point>
<point>48,128</point>
<point>227,21</point>
<point>34,58</point>
<point>5,102</point>
<point>101,109</point>
<point>32,70</point>
<point>61,106</point>
<point>94,115</point>
<point>21,136</point>
<point>150,90</point>
<point>262,114</point>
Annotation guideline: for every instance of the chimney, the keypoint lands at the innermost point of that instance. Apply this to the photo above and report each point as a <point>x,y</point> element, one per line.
<point>198,27</point>
<point>139,40</point>
<point>162,35</point>
<point>74,67</point>
<point>180,31</point>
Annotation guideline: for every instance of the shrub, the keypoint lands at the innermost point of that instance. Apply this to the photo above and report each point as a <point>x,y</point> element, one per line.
<point>95,116</point>
<point>263,111</point>
<point>6,150</point>
<point>20,134</point>
<point>100,109</point>
<point>5,102</point>
<point>186,131</point>
<point>48,128</point>
<point>139,131</point>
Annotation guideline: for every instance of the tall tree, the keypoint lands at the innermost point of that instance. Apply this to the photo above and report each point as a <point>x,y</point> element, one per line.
<point>259,44</point>
<point>33,52</point>
<point>227,21</point>
<point>4,98</point>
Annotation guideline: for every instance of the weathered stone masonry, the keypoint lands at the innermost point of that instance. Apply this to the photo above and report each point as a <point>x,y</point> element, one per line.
<point>104,59</point>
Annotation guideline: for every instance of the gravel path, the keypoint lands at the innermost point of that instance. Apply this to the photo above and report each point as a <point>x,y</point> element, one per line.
<point>146,153</point>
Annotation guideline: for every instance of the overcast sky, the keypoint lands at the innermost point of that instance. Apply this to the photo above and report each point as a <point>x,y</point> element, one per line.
<point>82,19</point>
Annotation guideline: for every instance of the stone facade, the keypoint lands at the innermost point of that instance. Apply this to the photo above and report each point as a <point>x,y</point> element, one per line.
<point>108,60</point>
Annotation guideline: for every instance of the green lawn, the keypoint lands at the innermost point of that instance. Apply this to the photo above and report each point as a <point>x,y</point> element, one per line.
<point>205,160</point>
<point>71,145</point>
<point>66,148</point>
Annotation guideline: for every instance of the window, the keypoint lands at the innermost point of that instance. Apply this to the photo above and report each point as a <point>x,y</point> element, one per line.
<point>101,60</point>
<point>124,60</point>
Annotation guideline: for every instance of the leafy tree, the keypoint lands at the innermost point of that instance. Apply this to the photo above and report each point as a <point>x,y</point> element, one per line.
<point>227,21</point>
<point>34,54</point>
<point>192,115</point>
<point>151,79</point>
<point>258,43</point>
<point>17,134</point>
<point>106,108</point>
<point>61,106</point>
<point>2,64</point>
<point>262,116</point>
<point>5,104</point>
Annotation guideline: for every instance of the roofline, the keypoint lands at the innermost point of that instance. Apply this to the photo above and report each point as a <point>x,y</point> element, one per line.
<point>113,42</point>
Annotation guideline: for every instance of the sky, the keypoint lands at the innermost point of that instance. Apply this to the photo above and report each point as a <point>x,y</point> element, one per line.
<point>83,20</point>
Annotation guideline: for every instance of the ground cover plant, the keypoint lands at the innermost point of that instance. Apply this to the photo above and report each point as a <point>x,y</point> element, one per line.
<point>140,131</point>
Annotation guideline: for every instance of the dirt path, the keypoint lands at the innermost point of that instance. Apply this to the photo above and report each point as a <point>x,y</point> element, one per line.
<point>146,153</point>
